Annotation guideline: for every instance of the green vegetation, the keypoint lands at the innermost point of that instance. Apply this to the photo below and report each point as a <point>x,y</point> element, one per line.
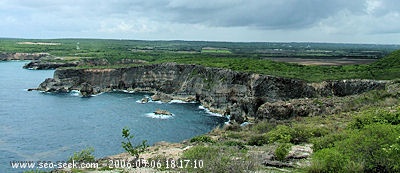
<point>282,151</point>
<point>371,143</point>
<point>128,146</point>
<point>363,136</point>
<point>245,57</point>
<point>86,155</point>
<point>220,159</point>
<point>202,138</point>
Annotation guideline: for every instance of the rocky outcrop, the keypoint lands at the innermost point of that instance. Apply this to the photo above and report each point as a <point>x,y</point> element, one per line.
<point>346,87</point>
<point>220,90</point>
<point>162,112</point>
<point>46,65</point>
<point>57,62</point>
<point>281,110</point>
<point>159,96</point>
<point>21,56</point>
<point>297,157</point>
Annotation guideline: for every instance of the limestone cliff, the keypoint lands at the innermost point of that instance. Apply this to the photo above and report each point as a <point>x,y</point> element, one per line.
<point>21,56</point>
<point>42,65</point>
<point>220,90</point>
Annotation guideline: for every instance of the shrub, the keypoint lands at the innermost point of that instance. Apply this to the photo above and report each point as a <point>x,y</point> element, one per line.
<point>328,160</point>
<point>257,140</point>
<point>302,133</point>
<point>202,138</point>
<point>86,155</point>
<point>282,151</point>
<point>262,127</point>
<point>234,135</point>
<point>371,116</point>
<point>233,127</point>
<point>238,144</point>
<point>327,141</point>
<point>375,146</point>
<point>281,134</point>
<point>132,150</point>
<point>219,159</point>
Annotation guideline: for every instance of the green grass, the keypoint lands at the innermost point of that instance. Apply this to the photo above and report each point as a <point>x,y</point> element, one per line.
<point>370,125</point>
<point>244,57</point>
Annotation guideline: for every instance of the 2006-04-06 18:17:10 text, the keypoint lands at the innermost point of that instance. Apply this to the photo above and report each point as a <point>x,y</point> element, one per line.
<point>168,163</point>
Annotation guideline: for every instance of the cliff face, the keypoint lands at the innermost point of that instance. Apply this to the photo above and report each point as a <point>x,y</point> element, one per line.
<point>220,90</point>
<point>39,65</point>
<point>21,56</point>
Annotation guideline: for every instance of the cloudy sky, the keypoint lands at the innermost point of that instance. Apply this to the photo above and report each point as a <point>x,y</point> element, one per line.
<point>346,21</point>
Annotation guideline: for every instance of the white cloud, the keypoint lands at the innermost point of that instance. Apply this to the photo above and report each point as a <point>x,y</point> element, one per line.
<point>232,20</point>
<point>127,26</point>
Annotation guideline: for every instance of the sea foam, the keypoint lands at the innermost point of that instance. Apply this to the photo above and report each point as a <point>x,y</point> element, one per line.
<point>163,117</point>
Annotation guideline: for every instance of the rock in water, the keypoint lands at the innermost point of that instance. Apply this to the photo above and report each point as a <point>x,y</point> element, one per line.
<point>144,100</point>
<point>87,90</point>
<point>162,112</point>
<point>159,96</point>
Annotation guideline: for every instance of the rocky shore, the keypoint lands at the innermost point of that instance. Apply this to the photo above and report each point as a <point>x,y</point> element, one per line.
<point>39,65</point>
<point>220,90</point>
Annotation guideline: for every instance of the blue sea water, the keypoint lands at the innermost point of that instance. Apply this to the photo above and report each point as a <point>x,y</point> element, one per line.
<point>37,126</point>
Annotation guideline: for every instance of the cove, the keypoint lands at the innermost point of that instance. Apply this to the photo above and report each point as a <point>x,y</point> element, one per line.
<point>38,126</point>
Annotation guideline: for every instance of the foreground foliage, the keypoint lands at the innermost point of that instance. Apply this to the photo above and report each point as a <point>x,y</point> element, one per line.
<point>85,155</point>
<point>371,143</point>
<point>128,146</point>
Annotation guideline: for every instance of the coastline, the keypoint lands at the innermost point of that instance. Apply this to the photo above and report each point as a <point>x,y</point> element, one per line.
<point>221,91</point>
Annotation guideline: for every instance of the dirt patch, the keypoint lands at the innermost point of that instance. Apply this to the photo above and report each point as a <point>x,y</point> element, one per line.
<point>40,43</point>
<point>328,62</point>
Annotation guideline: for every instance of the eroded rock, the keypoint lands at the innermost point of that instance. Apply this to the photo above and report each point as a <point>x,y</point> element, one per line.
<point>245,94</point>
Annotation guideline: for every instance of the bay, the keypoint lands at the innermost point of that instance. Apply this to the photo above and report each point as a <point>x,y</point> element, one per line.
<point>37,126</point>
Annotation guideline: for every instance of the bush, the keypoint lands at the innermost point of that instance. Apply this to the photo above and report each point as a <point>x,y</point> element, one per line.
<point>374,148</point>
<point>282,151</point>
<point>86,155</point>
<point>240,145</point>
<point>234,135</point>
<point>302,133</point>
<point>262,127</point>
<point>281,134</point>
<point>202,138</point>
<point>132,150</point>
<point>328,160</point>
<point>327,141</point>
<point>219,159</point>
<point>257,140</point>
<point>233,127</point>
<point>371,143</point>
<point>371,116</point>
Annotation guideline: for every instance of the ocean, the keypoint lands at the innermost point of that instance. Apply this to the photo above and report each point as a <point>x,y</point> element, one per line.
<point>37,126</point>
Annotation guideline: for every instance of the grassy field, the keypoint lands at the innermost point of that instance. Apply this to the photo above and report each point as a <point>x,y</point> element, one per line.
<point>245,57</point>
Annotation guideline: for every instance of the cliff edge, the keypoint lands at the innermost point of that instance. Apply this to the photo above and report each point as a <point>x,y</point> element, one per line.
<point>221,90</point>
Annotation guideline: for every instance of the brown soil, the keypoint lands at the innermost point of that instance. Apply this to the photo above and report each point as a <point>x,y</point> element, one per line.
<point>329,62</point>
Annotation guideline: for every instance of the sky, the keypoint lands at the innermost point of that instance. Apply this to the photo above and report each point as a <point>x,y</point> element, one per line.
<point>339,21</point>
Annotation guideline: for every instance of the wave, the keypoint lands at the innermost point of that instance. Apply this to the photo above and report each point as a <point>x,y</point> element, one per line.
<point>149,100</point>
<point>126,91</point>
<point>180,101</point>
<point>211,113</point>
<point>155,116</point>
<point>77,93</point>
